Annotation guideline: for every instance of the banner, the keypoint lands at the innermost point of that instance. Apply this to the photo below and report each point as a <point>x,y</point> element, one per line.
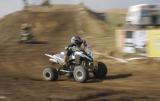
<point>120,35</point>
<point>153,47</point>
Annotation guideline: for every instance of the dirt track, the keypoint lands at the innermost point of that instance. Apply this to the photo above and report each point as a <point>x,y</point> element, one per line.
<point>21,67</point>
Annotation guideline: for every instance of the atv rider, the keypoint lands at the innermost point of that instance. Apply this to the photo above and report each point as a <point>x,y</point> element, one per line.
<point>77,43</point>
<point>26,32</point>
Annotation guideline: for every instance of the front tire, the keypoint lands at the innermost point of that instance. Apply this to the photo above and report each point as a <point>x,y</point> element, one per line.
<point>50,74</point>
<point>80,74</point>
<point>101,70</point>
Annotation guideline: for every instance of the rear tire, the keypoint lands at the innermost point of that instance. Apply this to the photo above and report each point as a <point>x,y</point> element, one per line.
<point>80,74</point>
<point>50,74</point>
<point>101,70</point>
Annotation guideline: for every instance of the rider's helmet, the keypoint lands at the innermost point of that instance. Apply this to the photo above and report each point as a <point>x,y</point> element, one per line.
<point>25,26</point>
<point>76,40</point>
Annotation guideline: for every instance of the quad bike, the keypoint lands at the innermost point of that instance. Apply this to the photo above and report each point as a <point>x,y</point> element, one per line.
<point>81,64</point>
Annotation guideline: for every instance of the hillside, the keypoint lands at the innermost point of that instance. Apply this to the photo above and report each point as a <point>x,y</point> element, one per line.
<point>21,65</point>
<point>55,28</point>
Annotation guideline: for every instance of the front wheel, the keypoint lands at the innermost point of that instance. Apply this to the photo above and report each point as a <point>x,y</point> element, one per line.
<point>50,74</point>
<point>101,70</point>
<point>80,74</point>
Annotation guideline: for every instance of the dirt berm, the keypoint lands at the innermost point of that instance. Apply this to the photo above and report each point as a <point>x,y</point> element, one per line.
<point>21,65</point>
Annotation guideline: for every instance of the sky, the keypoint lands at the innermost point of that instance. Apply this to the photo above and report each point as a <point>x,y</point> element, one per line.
<point>8,6</point>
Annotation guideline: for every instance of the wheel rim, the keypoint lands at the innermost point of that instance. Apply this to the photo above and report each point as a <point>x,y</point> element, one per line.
<point>79,75</point>
<point>48,75</point>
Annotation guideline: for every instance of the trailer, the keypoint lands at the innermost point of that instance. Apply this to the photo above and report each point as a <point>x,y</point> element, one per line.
<point>143,15</point>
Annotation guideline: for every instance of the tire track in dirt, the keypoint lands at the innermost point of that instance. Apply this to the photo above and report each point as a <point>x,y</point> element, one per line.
<point>21,66</point>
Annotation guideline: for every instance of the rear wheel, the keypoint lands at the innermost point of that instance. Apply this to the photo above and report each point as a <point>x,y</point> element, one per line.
<point>50,74</point>
<point>80,74</point>
<point>101,70</point>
